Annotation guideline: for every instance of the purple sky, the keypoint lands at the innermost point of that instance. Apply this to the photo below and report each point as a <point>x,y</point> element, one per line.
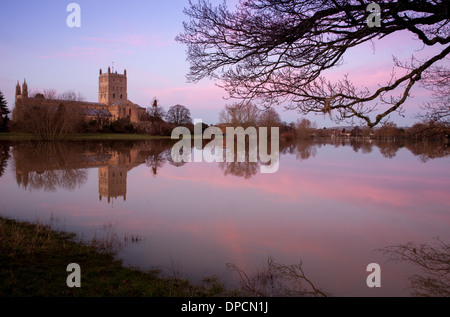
<point>139,36</point>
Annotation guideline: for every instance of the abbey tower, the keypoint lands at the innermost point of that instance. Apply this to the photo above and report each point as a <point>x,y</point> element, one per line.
<point>112,87</point>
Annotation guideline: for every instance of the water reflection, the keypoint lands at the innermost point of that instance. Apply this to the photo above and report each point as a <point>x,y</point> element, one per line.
<point>63,165</point>
<point>4,157</point>
<point>50,166</point>
<point>331,202</point>
<point>305,149</point>
<point>434,262</point>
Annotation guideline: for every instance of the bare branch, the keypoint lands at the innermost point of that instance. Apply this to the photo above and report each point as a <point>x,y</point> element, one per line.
<point>277,51</point>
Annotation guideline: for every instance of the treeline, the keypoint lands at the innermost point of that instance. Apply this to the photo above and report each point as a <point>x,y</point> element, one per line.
<point>248,114</point>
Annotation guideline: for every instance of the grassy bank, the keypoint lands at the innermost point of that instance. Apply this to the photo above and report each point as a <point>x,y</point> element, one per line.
<point>9,136</point>
<point>34,258</point>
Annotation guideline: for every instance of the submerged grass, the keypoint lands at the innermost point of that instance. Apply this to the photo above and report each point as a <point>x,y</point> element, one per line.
<point>34,258</point>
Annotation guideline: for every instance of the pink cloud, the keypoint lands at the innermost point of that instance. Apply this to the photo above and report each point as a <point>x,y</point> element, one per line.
<point>194,97</point>
<point>137,40</point>
<point>76,52</point>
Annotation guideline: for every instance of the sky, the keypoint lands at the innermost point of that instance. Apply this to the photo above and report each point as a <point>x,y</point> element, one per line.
<point>36,44</point>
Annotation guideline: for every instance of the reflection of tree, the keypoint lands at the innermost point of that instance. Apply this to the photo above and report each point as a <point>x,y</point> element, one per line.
<point>4,157</point>
<point>306,149</point>
<point>155,162</point>
<point>241,169</point>
<point>287,147</point>
<point>277,280</point>
<point>51,180</point>
<point>425,150</point>
<point>428,150</point>
<point>178,162</point>
<point>388,149</point>
<point>434,260</point>
<point>245,169</point>
<point>156,157</point>
<point>48,166</point>
<point>366,147</point>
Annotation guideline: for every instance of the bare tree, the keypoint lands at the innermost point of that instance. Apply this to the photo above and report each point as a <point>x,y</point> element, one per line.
<point>156,112</point>
<point>434,260</point>
<point>277,280</point>
<point>179,115</point>
<point>49,93</point>
<point>46,119</point>
<point>240,115</point>
<point>269,118</point>
<point>389,130</point>
<point>305,128</point>
<point>279,50</point>
<point>437,110</point>
<point>71,95</point>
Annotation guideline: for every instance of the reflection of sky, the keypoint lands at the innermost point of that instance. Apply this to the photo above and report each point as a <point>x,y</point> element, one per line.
<point>330,211</point>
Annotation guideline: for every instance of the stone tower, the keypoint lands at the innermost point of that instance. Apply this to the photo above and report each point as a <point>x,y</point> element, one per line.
<point>112,87</point>
<point>24,89</point>
<point>22,93</point>
<point>18,90</point>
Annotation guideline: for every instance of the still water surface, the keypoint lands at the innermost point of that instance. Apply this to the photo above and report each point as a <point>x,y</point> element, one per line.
<point>331,205</point>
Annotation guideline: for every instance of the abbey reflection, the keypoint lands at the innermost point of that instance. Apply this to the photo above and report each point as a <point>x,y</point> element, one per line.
<point>112,178</point>
<point>63,165</point>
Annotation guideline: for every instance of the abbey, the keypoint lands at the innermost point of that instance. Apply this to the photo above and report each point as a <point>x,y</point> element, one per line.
<point>112,105</point>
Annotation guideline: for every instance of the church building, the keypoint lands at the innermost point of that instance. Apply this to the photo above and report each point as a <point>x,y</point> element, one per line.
<point>112,105</point>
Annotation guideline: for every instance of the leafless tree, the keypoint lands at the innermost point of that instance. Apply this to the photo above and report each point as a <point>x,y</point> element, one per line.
<point>156,111</point>
<point>388,131</point>
<point>277,280</point>
<point>71,95</point>
<point>240,115</point>
<point>179,115</point>
<point>46,119</point>
<point>279,50</point>
<point>269,118</point>
<point>434,260</point>
<point>438,109</point>
<point>305,128</point>
<point>49,93</point>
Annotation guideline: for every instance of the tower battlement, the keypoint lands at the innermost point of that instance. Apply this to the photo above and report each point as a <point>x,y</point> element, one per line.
<point>112,87</point>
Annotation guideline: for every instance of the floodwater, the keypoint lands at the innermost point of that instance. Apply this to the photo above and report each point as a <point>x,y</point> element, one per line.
<point>332,206</point>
